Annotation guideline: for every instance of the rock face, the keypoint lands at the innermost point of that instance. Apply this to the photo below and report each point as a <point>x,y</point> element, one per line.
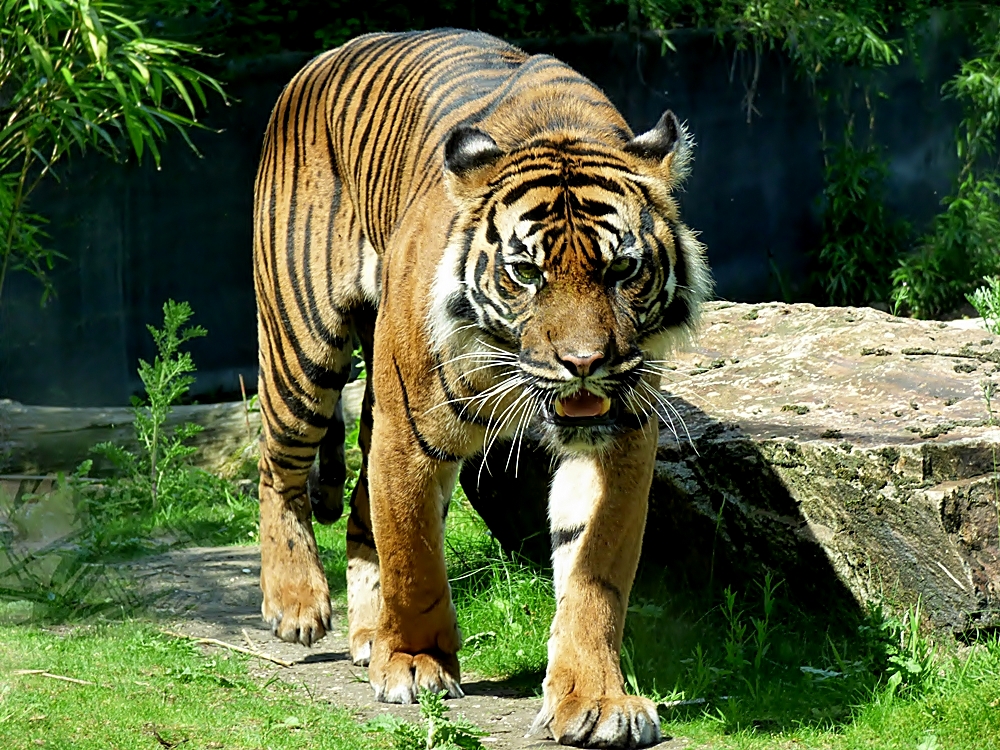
<point>851,452</point>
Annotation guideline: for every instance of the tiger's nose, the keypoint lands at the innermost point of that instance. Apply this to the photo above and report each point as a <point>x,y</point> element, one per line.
<point>581,365</point>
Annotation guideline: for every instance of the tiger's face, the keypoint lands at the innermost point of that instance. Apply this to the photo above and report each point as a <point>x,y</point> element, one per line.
<point>572,276</point>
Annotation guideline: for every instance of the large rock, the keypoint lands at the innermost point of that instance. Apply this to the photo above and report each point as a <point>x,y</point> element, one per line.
<point>851,452</point>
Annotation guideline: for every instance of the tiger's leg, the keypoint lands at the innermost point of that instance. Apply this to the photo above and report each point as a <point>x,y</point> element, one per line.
<point>417,636</point>
<point>329,473</point>
<point>296,407</point>
<point>363,595</point>
<point>597,511</point>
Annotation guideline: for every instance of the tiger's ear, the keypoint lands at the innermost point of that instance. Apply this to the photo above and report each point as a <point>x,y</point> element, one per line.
<point>667,146</point>
<point>468,154</point>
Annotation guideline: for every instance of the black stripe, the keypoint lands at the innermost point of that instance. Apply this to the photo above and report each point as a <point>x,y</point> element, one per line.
<point>436,602</point>
<point>362,540</point>
<point>678,313</point>
<point>561,537</point>
<point>549,180</point>
<point>355,514</point>
<point>289,464</point>
<point>429,450</point>
<point>459,409</point>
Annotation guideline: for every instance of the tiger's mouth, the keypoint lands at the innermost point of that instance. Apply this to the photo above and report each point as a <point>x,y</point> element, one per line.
<point>581,409</point>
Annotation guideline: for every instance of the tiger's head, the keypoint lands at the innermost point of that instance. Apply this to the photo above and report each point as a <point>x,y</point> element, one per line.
<point>567,277</point>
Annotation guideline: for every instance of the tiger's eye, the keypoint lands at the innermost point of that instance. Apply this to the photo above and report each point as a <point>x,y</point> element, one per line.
<point>526,273</point>
<point>621,268</point>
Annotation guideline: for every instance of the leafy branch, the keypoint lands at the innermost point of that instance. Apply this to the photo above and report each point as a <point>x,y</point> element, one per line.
<point>961,247</point>
<point>78,75</point>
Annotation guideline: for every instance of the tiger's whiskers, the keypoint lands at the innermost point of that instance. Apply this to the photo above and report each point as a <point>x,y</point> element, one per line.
<point>662,398</point>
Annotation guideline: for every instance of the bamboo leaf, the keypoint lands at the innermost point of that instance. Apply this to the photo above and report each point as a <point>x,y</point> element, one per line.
<point>178,86</point>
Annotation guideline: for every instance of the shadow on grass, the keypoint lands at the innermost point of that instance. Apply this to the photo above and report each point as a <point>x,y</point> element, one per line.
<point>754,658</point>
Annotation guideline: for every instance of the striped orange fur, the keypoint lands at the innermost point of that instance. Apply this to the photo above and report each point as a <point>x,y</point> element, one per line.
<point>510,257</point>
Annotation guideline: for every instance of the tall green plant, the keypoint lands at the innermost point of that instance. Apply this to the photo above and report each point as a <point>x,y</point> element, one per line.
<point>961,247</point>
<point>166,381</point>
<point>78,75</point>
<point>861,242</point>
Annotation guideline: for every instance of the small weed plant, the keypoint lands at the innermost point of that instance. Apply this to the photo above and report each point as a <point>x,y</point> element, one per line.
<point>437,732</point>
<point>162,452</point>
<point>60,542</point>
<point>986,300</point>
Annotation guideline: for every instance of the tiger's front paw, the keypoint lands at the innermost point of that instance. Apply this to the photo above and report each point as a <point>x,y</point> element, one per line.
<point>401,677</point>
<point>296,601</point>
<point>607,721</point>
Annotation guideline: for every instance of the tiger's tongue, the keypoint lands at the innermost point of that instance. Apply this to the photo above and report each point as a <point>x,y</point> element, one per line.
<point>583,403</point>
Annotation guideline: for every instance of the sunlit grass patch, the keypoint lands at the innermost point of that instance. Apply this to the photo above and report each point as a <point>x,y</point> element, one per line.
<point>504,605</point>
<point>138,689</point>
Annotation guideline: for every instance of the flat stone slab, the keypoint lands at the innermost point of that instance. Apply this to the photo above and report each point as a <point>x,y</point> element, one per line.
<point>847,374</point>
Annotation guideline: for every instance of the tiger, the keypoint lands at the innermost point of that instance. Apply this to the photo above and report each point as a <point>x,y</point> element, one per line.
<point>509,256</point>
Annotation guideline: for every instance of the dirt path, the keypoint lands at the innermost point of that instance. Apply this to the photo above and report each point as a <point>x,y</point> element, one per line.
<point>213,592</point>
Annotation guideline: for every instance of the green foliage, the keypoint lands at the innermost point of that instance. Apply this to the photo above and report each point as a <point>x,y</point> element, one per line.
<point>156,499</point>
<point>813,32</point>
<point>961,247</point>
<point>986,300</point>
<point>78,75</point>
<point>861,242</point>
<point>504,604</point>
<point>249,28</point>
<point>955,255</point>
<point>438,731</point>
<point>166,380</point>
<point>911,661</point>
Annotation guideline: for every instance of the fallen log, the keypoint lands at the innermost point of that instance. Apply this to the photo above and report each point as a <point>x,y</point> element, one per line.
<point>49,439</point>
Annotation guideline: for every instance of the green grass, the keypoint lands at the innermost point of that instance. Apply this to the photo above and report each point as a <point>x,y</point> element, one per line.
<point>146,683</point>
<point>772,672</point>
<point>767,671</point>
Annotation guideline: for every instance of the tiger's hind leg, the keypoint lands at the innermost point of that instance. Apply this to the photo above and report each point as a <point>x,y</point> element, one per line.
<point>297,405</point>
<point>363,581</point>
<point>329,473</point>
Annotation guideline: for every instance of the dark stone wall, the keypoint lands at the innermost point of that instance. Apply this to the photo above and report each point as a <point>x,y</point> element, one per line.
<point>134,236</point>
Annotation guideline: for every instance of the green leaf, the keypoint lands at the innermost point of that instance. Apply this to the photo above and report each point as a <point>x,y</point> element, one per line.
<point>180,88</point>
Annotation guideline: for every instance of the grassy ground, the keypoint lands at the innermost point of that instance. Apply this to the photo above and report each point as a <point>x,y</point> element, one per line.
<point>150,691</point>
<point>763,671</point>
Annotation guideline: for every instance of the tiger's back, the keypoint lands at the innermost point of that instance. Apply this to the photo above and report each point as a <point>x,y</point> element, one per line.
<point>377,111</point>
